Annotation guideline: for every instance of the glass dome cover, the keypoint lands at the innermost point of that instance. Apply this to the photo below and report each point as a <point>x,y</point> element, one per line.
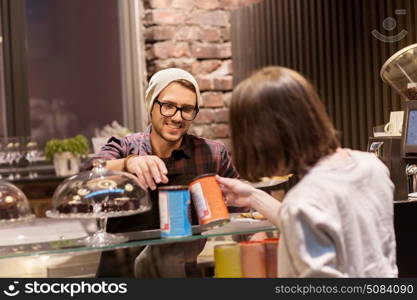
<point>99,193</point>
<point>14,206</point>
<point>400,72</point>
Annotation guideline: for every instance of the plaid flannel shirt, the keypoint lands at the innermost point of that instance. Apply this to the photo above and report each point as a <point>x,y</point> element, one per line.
<point>196,156</point>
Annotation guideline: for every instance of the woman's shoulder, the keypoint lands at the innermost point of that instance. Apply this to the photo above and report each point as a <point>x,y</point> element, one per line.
<point>368,161</point>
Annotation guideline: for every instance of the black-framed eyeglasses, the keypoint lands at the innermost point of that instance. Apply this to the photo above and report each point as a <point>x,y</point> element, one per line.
<point>188,113</point>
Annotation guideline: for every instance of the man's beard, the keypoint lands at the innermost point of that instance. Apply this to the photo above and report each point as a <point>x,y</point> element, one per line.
<point>170,138</point>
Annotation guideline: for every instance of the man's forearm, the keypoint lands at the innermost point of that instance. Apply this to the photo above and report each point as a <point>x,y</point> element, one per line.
<point>116,164</point>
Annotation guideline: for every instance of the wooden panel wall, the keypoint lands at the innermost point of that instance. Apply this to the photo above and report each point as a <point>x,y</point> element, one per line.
<point>331,43</point>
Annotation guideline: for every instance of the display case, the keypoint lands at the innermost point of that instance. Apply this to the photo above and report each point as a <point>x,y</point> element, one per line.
<point>61,246</point>
<point>51,247</point>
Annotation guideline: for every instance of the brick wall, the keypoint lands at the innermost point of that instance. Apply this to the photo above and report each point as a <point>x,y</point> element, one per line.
<point>195,35</point>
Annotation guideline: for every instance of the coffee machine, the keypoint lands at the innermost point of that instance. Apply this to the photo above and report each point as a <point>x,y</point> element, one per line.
<point>399,153</point>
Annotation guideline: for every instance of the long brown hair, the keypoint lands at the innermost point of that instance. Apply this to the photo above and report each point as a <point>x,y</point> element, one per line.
<point>278,125</point>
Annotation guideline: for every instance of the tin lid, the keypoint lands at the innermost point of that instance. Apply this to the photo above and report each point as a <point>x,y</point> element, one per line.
<point>204,175</point>
<point>173,187</point>
<point>271,241</point>
<point>250,243</point>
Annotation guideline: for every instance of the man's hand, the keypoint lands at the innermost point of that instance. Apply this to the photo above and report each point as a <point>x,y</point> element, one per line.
<point>149,169</point>
<point>236,192</point>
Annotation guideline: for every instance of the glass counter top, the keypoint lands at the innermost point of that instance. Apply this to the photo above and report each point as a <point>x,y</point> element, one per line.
<point>49,236</point>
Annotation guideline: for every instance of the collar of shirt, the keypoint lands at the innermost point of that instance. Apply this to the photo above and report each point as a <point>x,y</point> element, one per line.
<point>185,150</point>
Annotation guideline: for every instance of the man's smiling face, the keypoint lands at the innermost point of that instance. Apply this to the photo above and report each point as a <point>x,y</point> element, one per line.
<point>172,129</point>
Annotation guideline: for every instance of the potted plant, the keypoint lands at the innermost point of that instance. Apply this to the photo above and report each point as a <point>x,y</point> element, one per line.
<point>66,154</point>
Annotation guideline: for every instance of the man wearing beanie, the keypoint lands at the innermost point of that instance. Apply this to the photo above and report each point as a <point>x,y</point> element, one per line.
<point>165,154</point>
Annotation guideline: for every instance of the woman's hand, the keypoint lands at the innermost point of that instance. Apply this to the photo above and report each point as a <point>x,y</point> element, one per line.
<point>236,192</point>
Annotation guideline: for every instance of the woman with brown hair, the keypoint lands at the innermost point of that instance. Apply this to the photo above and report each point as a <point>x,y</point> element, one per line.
<point>338,220</point>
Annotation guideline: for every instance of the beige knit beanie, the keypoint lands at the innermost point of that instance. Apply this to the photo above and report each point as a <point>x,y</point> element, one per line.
<point>162,78</point>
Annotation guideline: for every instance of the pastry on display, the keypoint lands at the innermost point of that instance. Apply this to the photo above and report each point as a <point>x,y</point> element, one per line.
<point>75,207</point>
<point>252,215</point>
<point>99,192</point>
<point>14,205</point>
<point>120,204</point>
<point>8,207</point>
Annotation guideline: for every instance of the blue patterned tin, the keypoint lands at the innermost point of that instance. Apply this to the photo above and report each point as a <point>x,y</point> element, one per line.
<point>174,211</point>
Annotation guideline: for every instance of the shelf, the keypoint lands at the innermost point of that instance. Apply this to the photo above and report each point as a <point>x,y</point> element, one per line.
<point>139,238</point>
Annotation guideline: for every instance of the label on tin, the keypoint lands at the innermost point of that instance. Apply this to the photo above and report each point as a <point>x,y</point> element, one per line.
<point>163,211</point>
<point>200,202</point>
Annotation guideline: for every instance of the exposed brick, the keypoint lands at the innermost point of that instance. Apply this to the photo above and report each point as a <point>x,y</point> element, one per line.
<point>230,4</point>
<point>248,2</point>
<point>202,130</point>
<point>187,33</point>
<point>224,69</point>
<point>146,4</point>
<point>220,131</point>
<point>159,33</point>
<point>224,83</point>
<point>196,67</point>
<point>194,35</point>
<point>149,52</point>
<point>212,99</point>
<point>205,66</point>
<point>205,83</point>
<point>210,34</point>
<point>221,115</point>
<point>205,116</point>
<point>229,66</point>
<point>216,131</point>
<point>214,18</point>
<point>161,64</point>
<point>170,49</point>
<point>227,97</point>
<point>148,34</point>
<point>200,50</point>
<point>184,4</point>
<point>207,4</point>
<point>253,1</point>
<point>159,3</point>
<point>208,66</point>
<point>165,16</point>
<point>148,18</point>
<point>182,63</point>
<point>225,33</point>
